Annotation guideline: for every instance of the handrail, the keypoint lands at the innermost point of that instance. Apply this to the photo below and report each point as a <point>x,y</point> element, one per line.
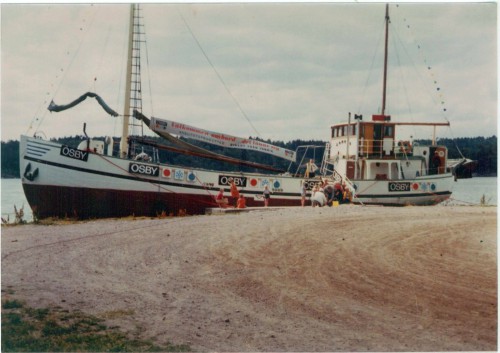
<point>345,179</point>
<point>326,157</point>
<point>303,156</point>
<point>375,147</point>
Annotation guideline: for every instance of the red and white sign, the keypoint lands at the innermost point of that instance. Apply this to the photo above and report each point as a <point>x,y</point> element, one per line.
<point>166,173</point>
<point>220,139</point>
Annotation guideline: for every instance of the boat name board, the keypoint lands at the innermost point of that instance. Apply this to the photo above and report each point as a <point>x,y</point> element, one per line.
<point>74,153</point>
<point>398,186</point>
<point>310,184</point>
<point>144,169</point>
<point>238,181</point>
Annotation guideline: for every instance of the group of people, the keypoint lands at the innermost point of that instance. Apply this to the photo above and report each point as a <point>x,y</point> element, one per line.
<point>324,193</point>
<point>237,199</point>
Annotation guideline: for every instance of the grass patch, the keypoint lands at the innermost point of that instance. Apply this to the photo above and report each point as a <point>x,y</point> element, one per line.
<point>27,329</point>
<point>12,304</point>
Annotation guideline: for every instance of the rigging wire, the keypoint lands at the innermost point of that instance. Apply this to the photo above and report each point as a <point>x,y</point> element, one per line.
<point>64,71</point>
<point>217,73</point>
<point>433,79</point>
<point>395,40</point>
<point>101,60</point>
<point>123,67</point>
<point>147,70</point>
<point>414,66</point>
<point>362,98</point>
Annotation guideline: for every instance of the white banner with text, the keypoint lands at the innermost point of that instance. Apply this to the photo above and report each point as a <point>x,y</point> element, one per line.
<point>220,139</point>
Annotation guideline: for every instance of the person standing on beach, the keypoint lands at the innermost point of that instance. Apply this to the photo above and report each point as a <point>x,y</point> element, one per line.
<point>303,193</point>
<point>267,196</point>
<point>235,194</point>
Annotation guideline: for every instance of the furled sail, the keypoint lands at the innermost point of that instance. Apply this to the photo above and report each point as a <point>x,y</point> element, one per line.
<point>187,148</point>
<point>58,108</point>
<point>220,139</point>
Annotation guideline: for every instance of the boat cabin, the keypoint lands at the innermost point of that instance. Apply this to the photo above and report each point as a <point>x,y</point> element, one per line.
<point>370,150</point>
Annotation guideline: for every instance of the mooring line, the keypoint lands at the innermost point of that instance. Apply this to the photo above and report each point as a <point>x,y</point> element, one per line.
<point>86,237</point>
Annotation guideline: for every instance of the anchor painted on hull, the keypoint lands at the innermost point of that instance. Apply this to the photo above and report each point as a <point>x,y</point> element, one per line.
<point>30,176</point>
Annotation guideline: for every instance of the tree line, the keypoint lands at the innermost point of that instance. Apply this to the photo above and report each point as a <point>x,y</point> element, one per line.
<point>481,149</point>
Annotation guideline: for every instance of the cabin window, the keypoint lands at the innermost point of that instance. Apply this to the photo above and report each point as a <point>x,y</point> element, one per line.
<point>380,171</point>
<point>389,131</point>
<point>337,131</point>
<point>344,130</point>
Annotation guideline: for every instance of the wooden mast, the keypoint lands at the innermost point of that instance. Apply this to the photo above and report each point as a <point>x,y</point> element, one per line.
<point>385,57</point>
<point>128,84</point>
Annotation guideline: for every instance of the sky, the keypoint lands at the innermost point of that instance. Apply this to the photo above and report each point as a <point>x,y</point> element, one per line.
<point>280,71</point>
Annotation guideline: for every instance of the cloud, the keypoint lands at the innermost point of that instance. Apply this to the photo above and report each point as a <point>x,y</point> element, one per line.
<point>293,68</point>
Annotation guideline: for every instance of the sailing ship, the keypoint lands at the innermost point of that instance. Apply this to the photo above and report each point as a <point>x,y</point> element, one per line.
<point>92,181</point>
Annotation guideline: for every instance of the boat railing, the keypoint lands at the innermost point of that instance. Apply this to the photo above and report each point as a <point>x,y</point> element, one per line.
<point>343,179</point>
<point>302,163</point>
<point>379,147</point>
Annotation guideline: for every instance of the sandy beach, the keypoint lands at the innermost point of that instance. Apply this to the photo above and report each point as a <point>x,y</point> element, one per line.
<point>348,278</point>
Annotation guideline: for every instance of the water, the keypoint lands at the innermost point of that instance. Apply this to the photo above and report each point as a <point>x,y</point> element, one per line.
<point>13,194</point>
<point>470,191</point>
<point>465,191</point>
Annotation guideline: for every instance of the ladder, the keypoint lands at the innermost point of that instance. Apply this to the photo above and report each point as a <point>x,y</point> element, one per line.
<point>326,161</point>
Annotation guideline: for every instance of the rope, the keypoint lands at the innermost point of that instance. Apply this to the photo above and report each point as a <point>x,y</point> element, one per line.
<point>155,184</point>
<point>64,71</point>
<point>362,97</point>
<point>205,188</point>
<point>98,235</point>
<point>432,76</point>
<point>218,75</point>
<point>149,74</point>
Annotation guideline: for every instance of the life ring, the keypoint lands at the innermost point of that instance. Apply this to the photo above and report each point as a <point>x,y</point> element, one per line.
<point>404,146</point>
<point>441,154</point>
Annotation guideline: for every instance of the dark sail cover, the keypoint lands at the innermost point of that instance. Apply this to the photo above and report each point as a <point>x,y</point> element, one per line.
<point>58,108</point>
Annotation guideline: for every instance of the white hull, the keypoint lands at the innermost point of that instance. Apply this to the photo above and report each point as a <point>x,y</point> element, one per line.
<point>68,185</point>
<point>428,190</point>
<point>65,182</point>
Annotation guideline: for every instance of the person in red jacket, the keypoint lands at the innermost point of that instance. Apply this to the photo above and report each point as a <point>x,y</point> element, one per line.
<point>235,194</point>
<point>241,202</point>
